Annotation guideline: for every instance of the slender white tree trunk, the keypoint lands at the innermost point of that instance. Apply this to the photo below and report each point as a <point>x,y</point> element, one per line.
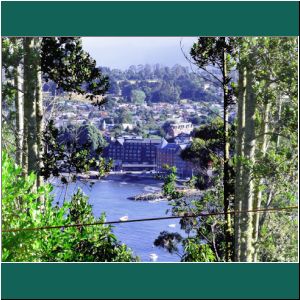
<point>39,112</point>
<point>257,191</point>
<point>239,153</point>
<point>246,225</point>
<point>19,114</point>
<point>226,176</point>
<point>278,119</point>
<point>29,143</point>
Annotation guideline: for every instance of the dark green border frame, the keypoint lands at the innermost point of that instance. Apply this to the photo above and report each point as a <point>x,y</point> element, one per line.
<point>150,281</point>
<point>144,280</point>
<point>146,18</point>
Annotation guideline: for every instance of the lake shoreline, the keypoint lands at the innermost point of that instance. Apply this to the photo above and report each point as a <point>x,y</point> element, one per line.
<point>133,178</point>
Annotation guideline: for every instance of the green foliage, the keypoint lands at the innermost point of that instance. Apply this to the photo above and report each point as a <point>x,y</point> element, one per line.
<point>124,116</point>
<point>138,96</point>
<point>220,53</point>
<point>168,92</point>
<point>117,130</point>
<point>114,88</point>
<point>206,148</point>
<point>196,120</point>
<point>72,69</point>
<point>11,53</point>
<point>21,208</point>
<point>273,172</point>
<point>169,186</point>
<point>197,252</point>
<point>279,238</point>
<point>11,57</point>
<point>139,130</point>
<point>205,241</point>
<point>194,250</point>
<point>166,126</point>
<point>159,84</point>
<point>207,144</point>
<point>89,136</point>
<point>76,156</point>
<point>168,241</point>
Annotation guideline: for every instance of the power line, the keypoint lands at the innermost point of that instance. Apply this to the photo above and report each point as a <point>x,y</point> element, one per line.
<point>150,219</point>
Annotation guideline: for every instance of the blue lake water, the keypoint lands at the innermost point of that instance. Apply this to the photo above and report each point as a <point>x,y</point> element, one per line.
<point>110,196</point>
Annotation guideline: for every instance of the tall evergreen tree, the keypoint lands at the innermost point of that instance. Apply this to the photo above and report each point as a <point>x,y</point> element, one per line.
<point>218,53</point>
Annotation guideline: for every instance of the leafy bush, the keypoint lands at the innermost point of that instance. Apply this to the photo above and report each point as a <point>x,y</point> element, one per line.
<point>204,240</point>
<point>22,207</point>
<point>169,186</point>
<point>195,251</point>
<point>79,156</point>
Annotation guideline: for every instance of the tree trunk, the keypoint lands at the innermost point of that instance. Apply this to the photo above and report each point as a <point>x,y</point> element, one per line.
<point>257,192</point>
<point>278,120</point>
<point>19,115</point>
<point>239,153</point>
<point>246,227</point>
<point>30,140</point>
<point>39,114</point>
<point>259,221</point>
<point>226,181</point>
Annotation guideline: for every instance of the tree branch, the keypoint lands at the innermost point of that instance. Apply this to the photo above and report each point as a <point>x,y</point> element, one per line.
<point>202,68</point>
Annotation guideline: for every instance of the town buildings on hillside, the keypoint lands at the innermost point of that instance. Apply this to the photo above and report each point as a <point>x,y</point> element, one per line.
<point>174,121</point>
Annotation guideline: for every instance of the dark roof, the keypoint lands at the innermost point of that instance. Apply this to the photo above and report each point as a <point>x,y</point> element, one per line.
<point>137,165</point>
<point>174,146</point>
<point>122,141</point>
<point>143,141</point>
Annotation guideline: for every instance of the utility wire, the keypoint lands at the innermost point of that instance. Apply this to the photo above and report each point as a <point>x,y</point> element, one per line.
<point>151,219</point>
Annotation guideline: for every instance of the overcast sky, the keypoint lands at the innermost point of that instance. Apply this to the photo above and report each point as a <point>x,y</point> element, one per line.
<point>122,52</point>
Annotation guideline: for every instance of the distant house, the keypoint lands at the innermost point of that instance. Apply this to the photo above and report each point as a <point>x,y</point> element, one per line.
<point>110,127</point>
<point>103,114</point>
<point>177,128</point>
<point>95,122</point>
<point>127,126</point>
<point>78,121</point>
<point>190,110</point>
<point>69,115</point>
<point>103,125</point>
<point>210,168</point>
<point>206,86</point>
<point>61,122</point>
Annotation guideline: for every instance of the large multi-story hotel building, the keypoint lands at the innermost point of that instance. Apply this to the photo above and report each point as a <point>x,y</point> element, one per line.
<point>139,154</point>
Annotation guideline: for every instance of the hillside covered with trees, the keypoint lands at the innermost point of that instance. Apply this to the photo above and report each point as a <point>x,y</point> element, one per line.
<point>148,83</point>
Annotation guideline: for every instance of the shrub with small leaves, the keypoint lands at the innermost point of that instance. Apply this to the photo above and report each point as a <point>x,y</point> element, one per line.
<point>22,209</point>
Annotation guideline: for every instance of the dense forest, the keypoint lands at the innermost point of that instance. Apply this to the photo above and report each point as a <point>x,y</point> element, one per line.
<point>160,84</point>
<point>156,83</point>
<point>248,211</point>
